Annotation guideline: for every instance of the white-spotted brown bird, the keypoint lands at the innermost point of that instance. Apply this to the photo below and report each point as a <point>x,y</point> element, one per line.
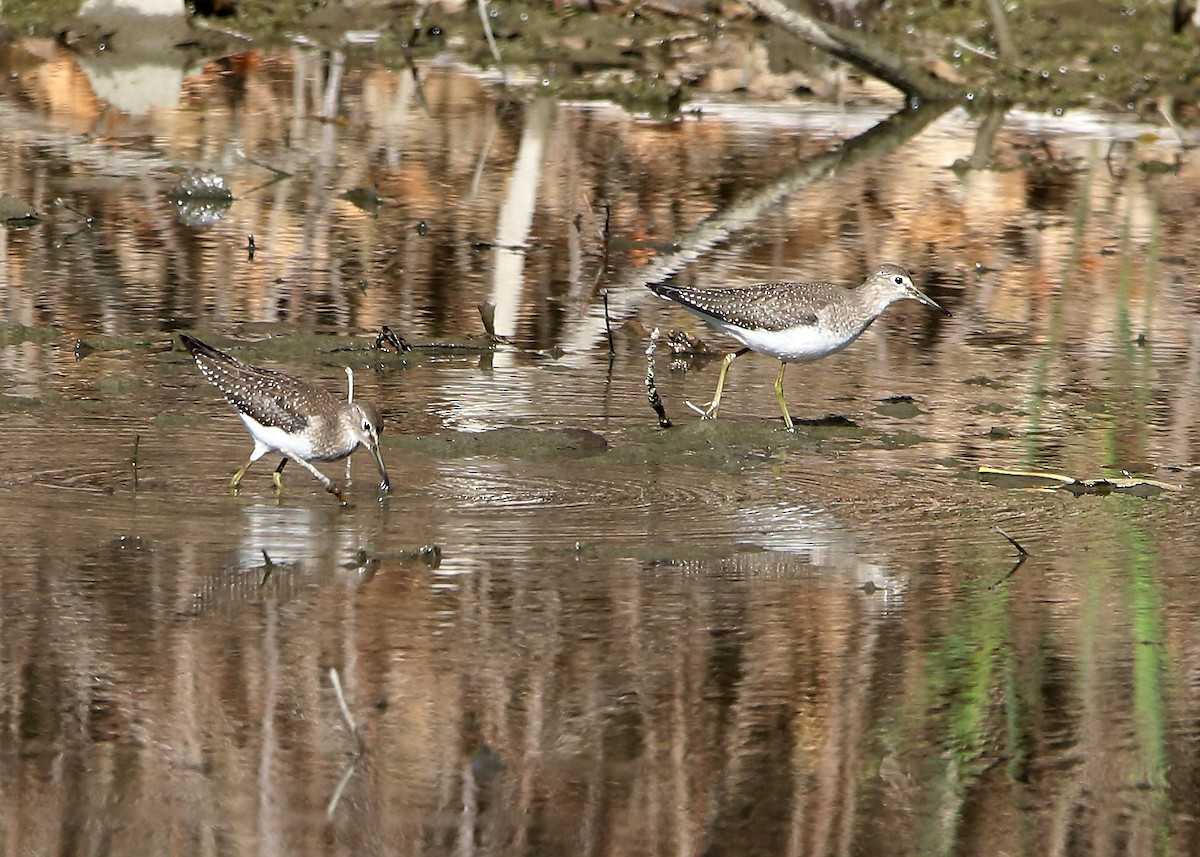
<point>301,422</point>
<point>793,322</point>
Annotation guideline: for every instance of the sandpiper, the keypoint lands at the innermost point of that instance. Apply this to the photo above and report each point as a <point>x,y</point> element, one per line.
<point>286,415</point>
<point>793,322</point>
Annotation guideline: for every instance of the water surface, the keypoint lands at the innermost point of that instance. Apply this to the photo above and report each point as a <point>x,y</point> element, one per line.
<point>713,638</point>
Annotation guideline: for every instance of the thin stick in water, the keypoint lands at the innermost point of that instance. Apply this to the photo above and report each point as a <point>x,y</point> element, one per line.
<point>608,324</point>
<point>336,681</point>
<point>491,40</point>
<point>341,786</point>
<point>652,389</point>
<point>1013,542</point>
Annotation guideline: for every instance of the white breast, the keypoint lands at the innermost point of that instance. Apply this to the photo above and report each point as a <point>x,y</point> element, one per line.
<point>275,438</point>
<point>794,345</point>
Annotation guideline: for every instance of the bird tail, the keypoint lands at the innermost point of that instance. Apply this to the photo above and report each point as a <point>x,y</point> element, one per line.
<point>663,290</point>
<point>200,349</point>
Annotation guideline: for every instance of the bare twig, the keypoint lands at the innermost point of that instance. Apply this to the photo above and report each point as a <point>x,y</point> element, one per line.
<point>1020,561</point>
<point>341,786</point>
<point>608,324</point>
<point>268,568</point>
<point>975,49</point>
<point>491,40</point>
<point>651,387</point>
<point>336,681</point>
<point>1013,542</point>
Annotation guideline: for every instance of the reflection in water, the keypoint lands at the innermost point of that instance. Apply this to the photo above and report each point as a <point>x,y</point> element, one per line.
<point>711,639</point>
<point>516,217</point>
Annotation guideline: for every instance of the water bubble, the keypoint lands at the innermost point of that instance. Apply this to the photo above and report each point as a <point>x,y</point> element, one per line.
<point>910,30</point>
<point>1062,69</point>
<point>1116,49</point>
<point>524,16</point>
<point>545,81</point>
<point>1043,74</point>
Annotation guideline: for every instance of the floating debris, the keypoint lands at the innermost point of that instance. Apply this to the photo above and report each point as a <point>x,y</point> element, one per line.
<point>366,198</point>
<point>15,211</point>
<point>683,344</point>
<point>1045,481</point>
<point>201,198</point>
<point>389,338</point>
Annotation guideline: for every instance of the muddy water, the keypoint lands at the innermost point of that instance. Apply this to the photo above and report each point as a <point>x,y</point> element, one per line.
<point>569,630</point>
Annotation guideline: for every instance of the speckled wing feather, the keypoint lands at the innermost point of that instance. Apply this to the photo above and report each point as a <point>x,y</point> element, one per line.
<point>763,306</point>
<point>271,398</point>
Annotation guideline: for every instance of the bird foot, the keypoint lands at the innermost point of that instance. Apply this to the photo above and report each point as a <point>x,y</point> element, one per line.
<point>706,412</point>
<point>336,490</point>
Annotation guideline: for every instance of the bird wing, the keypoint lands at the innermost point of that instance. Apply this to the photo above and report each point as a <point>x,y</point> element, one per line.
<point>269,397</point>
<point>762,306</point>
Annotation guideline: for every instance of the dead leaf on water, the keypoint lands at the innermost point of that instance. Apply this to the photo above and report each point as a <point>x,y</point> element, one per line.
<point>1040,480</point>
<point>16,210</point>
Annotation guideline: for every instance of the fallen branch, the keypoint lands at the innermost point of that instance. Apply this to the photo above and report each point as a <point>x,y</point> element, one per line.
<point>913,80</point>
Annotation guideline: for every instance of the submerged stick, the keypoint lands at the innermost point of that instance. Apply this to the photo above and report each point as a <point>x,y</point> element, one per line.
<point>1013,542</point>
<point>608,325</point>
<point>341,786</point>
<point>491,40</point>
<point>652,389</point>
<point>1020,561</point>
<point>336,680</point>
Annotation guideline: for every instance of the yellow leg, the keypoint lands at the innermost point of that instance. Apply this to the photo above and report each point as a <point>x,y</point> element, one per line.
<point>236,481</point>
<point>787,418</point>
<point>709,411</point>
<point>277,476</point>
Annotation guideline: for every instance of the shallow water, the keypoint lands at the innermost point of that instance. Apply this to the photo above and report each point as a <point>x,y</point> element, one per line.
<point>714,638</point>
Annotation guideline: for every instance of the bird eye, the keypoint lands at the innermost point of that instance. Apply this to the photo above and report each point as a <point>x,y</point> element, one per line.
<point>899,280</point>
<point>367,426</point>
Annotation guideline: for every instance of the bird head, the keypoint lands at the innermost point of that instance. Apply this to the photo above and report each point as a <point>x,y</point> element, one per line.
<point>893,283</point>
<point>367,426</point>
